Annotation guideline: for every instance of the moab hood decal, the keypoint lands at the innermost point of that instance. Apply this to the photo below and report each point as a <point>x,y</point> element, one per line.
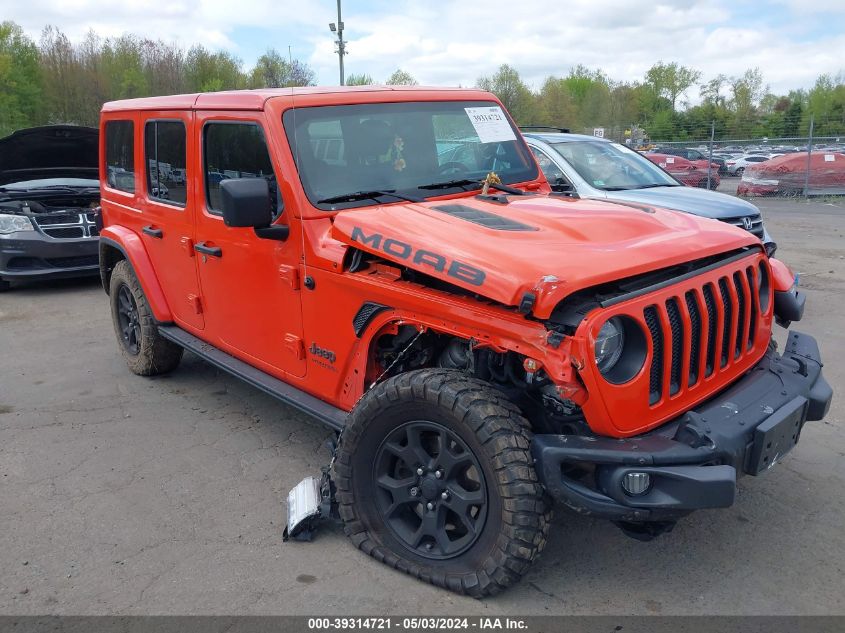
<point>577,244</point>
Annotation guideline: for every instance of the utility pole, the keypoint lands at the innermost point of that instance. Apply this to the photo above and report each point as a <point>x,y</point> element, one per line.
<point>341,45</point>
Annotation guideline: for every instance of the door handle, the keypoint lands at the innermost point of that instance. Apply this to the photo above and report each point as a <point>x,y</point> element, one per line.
<point>214,251</point>
<point>156,233</point>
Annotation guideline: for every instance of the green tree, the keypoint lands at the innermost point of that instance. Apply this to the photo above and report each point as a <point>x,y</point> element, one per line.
<point>362,79</point>
<point>209,72</point>
<point>555,105</point>
<point>826,104</point>
<point>273,71</point>
<point>401,78</point>
<point>20,79</point>
<point>506,84</point>
<point>671,80</point>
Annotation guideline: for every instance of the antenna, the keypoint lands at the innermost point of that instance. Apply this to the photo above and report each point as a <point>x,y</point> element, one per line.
<point>296,163</point>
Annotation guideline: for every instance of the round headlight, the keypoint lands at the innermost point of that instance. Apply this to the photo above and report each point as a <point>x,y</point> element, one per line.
<point>609,344</point>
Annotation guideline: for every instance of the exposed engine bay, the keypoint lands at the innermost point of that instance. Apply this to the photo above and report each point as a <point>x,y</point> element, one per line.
<point>533,391</point>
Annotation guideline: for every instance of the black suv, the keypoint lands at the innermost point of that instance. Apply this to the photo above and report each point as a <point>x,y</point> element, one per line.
<point>49,200</point>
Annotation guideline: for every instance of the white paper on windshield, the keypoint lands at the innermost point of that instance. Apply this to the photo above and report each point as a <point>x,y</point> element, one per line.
<point>670,160</point>
<point>490,124</point>
<point>829,158</point>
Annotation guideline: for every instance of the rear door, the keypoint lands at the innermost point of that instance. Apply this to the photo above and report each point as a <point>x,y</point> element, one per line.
<point>250,285</point>
<point>168,205</point>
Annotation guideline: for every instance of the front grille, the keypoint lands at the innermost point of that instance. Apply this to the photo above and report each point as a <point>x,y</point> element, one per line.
<point>695,341</point>
<point>656,375</point>
<point>721,318</point>
<point>66,226</point>
<point>92,218</point>
<point>56,218</point>
<point>754,224</point>
<point>68,232</point>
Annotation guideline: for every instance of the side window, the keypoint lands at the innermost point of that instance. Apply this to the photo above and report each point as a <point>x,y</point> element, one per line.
<point>551,171</point>
<point>236,150</point>
<point>164,152</point>
<point>120,155</point>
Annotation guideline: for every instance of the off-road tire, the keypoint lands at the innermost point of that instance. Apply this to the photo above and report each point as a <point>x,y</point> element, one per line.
<point>518,513</point>
<point>155,354</point>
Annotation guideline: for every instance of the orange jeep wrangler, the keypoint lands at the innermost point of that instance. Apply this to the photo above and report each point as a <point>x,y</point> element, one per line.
<point>392,262</point>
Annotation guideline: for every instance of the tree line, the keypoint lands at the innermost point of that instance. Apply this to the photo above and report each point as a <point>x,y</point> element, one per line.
<point>737,107</point>
<point>57,81</point>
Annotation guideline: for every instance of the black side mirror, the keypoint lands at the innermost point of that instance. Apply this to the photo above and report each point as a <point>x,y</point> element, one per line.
<point>561,186</point>
<point>246,203</point>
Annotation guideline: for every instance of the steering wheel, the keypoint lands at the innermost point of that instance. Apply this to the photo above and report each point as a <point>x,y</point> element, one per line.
<point>452,168</point>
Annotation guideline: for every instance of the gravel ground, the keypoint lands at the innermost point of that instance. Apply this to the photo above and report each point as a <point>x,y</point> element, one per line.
<point>165,496</point>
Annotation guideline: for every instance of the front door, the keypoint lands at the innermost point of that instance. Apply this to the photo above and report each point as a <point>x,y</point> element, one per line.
<point>250,285</point>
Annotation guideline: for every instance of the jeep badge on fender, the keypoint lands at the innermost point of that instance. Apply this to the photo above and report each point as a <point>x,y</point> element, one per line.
<point>485,348</point>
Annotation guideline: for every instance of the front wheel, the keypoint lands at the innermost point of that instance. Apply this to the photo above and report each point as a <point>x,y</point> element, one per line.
<point>434,477</point>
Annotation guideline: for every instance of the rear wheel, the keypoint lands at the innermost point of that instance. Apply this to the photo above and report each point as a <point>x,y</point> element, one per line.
<point>434,478</point>
<point>4,285</point>
<point>146,352</point>
<point>739,171</point>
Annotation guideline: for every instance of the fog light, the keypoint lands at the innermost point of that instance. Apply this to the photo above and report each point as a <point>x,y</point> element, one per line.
<point>636,483</point>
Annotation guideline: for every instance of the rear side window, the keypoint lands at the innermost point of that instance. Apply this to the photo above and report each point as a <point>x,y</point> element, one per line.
<point>164,151</point>
<point>120,155</point>
<point>236,150</point>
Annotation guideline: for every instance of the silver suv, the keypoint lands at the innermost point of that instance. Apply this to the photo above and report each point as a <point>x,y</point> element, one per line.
<point>591,167</point>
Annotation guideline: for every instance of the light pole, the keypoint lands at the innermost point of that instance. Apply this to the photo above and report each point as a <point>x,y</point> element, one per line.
<point>341,45</point>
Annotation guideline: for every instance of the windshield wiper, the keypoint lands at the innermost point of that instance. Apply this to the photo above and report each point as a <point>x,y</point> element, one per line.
<point>367,195</point>
<point>448,184</point>
<point>476,184</point>
<point>657,184</point>
<point>70,189</point>
<point>631,188</point>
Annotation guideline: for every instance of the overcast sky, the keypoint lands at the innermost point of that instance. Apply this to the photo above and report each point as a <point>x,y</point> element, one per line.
<point>452,43</point>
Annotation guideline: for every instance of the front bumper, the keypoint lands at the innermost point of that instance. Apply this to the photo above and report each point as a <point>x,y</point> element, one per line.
<point>32,255</point>
<point>693,462</point>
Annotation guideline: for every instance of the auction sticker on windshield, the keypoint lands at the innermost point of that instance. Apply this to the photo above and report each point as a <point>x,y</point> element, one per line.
<point>490,124</point>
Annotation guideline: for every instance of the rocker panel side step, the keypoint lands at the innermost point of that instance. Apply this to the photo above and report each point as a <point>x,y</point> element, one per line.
<point>327,414</point>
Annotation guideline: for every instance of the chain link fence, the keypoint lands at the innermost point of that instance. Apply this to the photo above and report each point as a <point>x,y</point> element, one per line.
<point>741,160</point>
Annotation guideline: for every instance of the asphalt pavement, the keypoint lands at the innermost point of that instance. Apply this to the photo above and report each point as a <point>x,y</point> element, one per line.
<point>128,495</point>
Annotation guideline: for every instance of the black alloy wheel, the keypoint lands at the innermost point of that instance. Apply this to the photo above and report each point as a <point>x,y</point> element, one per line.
<point>128,320</point>
<point>430,489</point>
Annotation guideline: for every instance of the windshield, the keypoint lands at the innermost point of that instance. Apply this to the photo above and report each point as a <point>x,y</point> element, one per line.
<point>403,148</point>
<point>612,167</point>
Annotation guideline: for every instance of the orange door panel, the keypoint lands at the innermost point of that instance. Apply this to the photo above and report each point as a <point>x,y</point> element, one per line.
<point>250,286</point>
<point>167,203</point>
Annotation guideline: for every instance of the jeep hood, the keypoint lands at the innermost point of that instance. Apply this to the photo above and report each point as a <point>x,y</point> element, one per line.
<point>708,204</point>
<point>541,244</point>
<point>51,151</point>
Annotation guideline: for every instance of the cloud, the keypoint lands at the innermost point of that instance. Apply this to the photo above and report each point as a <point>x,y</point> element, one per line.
<point>453,43</point>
